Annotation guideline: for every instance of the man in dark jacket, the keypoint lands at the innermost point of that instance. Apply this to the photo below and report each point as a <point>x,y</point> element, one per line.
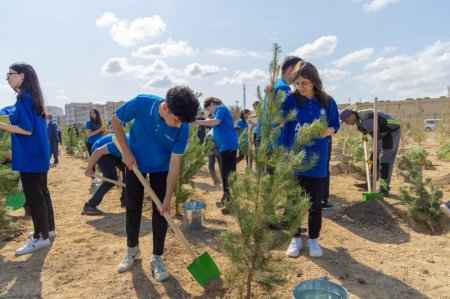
<point>389,133</point>
<point>52,131</point>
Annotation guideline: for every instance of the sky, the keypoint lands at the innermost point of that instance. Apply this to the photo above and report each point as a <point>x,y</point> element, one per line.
<point>111,50</point>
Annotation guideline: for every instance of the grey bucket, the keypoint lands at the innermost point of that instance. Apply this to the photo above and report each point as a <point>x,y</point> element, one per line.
<point>194,214</point>
<point>319,289</point>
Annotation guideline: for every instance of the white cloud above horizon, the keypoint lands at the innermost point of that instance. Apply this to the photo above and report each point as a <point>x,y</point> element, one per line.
<point>376,5</point>
<point>334,74</point>
<point>423,74</point>
<point>353,57</point>
<point>164,50</point>
<point>322,46</point>
<point>201,71</point>
<point>127,33</point>
<point>238,53</point>
<point>241,77</point>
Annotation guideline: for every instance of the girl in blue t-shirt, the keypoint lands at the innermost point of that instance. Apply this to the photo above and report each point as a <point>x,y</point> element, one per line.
<point>95,130</point>
<point>311,103</point>
<point>243,126</point>
<point>226,140</point>
<point>31,152</point>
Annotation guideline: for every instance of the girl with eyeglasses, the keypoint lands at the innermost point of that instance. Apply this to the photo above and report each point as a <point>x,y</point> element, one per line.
<point>31,152</point>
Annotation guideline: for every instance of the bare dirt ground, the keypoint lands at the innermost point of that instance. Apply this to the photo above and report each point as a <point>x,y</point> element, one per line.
<point>371,248</point>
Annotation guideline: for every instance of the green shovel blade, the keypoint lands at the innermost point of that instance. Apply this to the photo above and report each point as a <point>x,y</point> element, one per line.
<point>204,269</point>
<point>15,201</point>
<point>372,195</point>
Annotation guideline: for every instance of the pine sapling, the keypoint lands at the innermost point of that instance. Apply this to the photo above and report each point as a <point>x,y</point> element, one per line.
<point>265,196</point>
<point>192,161</point>
<point>422,198</point>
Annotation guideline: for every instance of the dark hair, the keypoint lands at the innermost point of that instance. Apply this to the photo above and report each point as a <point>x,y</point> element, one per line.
<point>183,103</point>
<point>288,62</point>
<point>30,85</point>
<point>308,71</point>
<point>255,103</point>
<point>212,100</point>
<point>243,113</point>
<point>97,122</point>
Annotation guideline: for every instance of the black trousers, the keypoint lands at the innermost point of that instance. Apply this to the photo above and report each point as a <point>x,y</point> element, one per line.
<point>135,199</point>
<point>326,186</point>
<point>89,149</point>
<point>38,199</point>
<point>313,187</point>
<point>228,165</point>
<point>54,151</point>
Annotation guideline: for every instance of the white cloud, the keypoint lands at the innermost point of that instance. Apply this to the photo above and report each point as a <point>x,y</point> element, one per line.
<point>334,74</point>
<point>238,53</point>
<point>164,81</point>
<point>63,98</point>
<point>168,49</point>
<point>120,66</point>
<point>389,49</point>
<point>322,46</point>
<point>357,56</point>
<point>424,74</point>
<point>382,62</point>
<point>201,70</point>
<point>376,5</point>
<point>128,34</point>
<point>240,77</point>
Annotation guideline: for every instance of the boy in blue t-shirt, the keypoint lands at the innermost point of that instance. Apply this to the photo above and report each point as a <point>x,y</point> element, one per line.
<point>106,154</point>
<point>158,138</point>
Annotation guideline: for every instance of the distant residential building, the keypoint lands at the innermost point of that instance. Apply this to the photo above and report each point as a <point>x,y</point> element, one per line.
<point>78,113</point>
<point>57,113</point>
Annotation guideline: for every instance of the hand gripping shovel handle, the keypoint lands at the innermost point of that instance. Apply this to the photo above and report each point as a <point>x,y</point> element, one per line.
<point>120,184</point>
<point>169,219</point>
<point>156,200</point>
<point>369,186</point>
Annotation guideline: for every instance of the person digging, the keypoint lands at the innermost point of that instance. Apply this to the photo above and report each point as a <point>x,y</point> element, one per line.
<point>389,132</point>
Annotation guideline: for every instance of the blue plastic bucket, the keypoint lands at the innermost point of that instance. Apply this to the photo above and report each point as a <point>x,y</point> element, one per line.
<point>194,214</point>
<point>319,289</point>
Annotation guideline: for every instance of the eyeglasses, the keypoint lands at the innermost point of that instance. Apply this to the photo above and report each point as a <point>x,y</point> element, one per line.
<point>9,74</point>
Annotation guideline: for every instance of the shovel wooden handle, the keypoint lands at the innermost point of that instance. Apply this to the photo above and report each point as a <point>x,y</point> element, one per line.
<point>375,145</point>
<point>369,186</point>
<point>157,202</point>
<point>120,184</point>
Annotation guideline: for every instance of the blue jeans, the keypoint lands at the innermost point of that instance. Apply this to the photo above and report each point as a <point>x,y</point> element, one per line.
<point>107,164</point>
<point>54,151</point>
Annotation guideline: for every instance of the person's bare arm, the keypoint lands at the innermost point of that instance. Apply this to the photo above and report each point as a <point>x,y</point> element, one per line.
<point>14,129</point>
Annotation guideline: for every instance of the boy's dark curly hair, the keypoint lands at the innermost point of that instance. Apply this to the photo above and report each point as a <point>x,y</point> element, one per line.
<point>183,103</point>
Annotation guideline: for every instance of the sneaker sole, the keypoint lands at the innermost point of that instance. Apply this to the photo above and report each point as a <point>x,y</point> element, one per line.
<point>445,209</point>
<point>90,213</point>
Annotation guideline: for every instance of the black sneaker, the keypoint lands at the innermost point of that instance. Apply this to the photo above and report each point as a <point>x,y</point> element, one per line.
<point>326,206</point>
<point>88,210</point>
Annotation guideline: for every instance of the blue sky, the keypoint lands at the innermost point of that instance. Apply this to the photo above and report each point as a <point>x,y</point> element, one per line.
<point>98,51</point>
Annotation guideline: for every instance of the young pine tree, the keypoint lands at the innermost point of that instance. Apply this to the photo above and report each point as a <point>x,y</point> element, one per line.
<point>191,162</point>
<point>266,195</point>
<point>422,198</point>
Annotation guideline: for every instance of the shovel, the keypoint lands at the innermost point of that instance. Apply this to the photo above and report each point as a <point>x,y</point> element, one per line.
<point>203,268</point>
<point>15,201</point>
<point>120,184</point>
<point>373,195</point>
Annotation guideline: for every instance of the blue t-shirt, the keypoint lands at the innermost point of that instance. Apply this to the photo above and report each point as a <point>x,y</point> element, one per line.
<point>243,125</point>
<point>29,153</point>
<point>152,141</point>
<point>224,133</point>
<point>110,146</point>
<point>95,137</point>
<point>307,115</point>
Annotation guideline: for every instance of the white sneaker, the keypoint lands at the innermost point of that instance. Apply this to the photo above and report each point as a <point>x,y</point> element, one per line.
<point>294,248</point>
<point>51,234</point>
<point>159,270</point>
<point>128,259</point>
<point>95,181</point>
<point>445,207</point>
<point>33,245</point>
<point>314,248</point>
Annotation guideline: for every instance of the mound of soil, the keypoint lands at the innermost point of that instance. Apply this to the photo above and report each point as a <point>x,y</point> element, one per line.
<point>376,214</point>
<point>443,181</point>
